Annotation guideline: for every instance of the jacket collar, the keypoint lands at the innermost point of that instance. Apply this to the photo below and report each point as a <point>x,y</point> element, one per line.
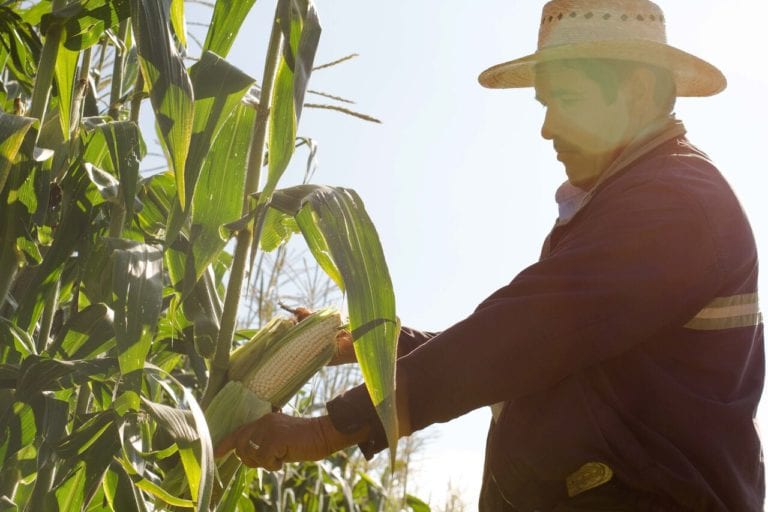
<point>571,199</point>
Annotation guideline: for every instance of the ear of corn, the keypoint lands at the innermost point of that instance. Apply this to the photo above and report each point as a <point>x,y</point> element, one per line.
<point>287,365</point>
<point>242,359</point>
<point>272,367</point>
<point>233,406</point>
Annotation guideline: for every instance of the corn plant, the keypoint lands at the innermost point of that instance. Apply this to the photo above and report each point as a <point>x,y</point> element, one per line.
<point>344,481</point>
<point>118,300</point>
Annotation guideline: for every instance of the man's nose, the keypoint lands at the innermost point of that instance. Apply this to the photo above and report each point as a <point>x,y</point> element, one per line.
<point>547,127</point>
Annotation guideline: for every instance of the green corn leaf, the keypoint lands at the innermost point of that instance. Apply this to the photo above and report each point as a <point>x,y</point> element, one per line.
<point>178,22</point>
<point>233,491</point>
<point>89,450</point>
<point>219,196</point>
<point>343,239</point>
<point>160,493</point>
<point>85,22</point>
<point>17,428</point>
<point>219,88</point>
<point>179,424</point>
<point>194,472</point>
<point>125,148</point>
<point>307,221</point>
<point>12,336</point>
<point>51,417</point>
<point>137,285</point>
<point>170,89</point>
<point>105,183</point>
<point>95,148</point>
<point>22,43</point>
<point>15,227</point>
<point>70,495</point>
<point>79,197</point>
<point>203,307</point>
<point>153,488</point>
<point>99,457</point>
<point>121,493</point>
<point>228,17</point>
<point>356,250</point>
<point>38,374</point>
<point>197,458</point>
<point>301,32</point>
<point>157,194</point>
<point>282,128</point>
<point>290,203</point>
<point>16,171</point>
<point>176,422</point>
<point>415,504</point>
<point>87,333</point>
<point>66,67</point>
<point>305,53</point>
<point>83,438</point>
<point>13,129</point>
<point>278,229</point>
<point>9,374</point>
<point>34,13</point>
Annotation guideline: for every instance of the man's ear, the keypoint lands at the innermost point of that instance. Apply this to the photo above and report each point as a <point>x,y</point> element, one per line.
<point>641,86</point>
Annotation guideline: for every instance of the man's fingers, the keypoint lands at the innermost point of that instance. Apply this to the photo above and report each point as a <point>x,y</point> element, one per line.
<point>256,456</point>
<point>274,465</point>
<point>247,457</point>
<point>345,350</point>
<point>277,438</point>
<point>225,446</point>
<point>230,442</point>
<point>301,313</point>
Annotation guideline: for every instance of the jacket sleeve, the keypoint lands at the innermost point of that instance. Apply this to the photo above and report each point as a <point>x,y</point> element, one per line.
<point>635,263</point>
<point>410,339</point>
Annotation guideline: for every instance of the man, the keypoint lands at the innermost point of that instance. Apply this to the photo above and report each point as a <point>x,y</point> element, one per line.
<point>625,367</point>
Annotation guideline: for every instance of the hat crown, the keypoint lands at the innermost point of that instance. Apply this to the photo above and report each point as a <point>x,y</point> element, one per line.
<point>580,21</point>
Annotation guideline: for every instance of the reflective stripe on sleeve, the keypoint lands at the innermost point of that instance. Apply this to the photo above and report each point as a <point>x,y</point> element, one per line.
<point>727,313</point>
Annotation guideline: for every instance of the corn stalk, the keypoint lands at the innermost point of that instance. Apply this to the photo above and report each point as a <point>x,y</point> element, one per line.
<point>245,237</point>
<point>44,79</point>
<point>99,289</point>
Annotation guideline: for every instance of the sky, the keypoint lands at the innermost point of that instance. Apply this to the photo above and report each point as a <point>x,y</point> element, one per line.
<point>457,179</point>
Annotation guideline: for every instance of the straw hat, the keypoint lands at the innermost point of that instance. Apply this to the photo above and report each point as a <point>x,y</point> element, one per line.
<point>631,30</point>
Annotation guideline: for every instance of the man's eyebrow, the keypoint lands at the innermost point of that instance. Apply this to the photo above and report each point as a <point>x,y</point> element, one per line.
<point>559,93</point>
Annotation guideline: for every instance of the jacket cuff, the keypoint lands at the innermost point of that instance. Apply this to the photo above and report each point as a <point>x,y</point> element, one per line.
<point>352,411</point>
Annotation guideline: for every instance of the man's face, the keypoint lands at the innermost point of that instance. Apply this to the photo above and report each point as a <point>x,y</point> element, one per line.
<point>587,130</point>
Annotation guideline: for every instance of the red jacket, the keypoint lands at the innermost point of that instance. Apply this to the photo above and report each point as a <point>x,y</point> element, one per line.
<point>634,342</point>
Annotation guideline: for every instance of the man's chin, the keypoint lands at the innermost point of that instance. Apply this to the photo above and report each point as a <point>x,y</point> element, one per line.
<point>580,181</point>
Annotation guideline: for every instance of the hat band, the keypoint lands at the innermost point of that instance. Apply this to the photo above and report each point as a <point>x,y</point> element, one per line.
<point>572,27</point>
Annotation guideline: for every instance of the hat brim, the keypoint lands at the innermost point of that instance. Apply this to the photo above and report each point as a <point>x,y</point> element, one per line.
<point>693,76</point>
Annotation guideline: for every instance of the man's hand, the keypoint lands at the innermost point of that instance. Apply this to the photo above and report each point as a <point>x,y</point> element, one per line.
<point>277,438</point>
<point>345,349</point>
